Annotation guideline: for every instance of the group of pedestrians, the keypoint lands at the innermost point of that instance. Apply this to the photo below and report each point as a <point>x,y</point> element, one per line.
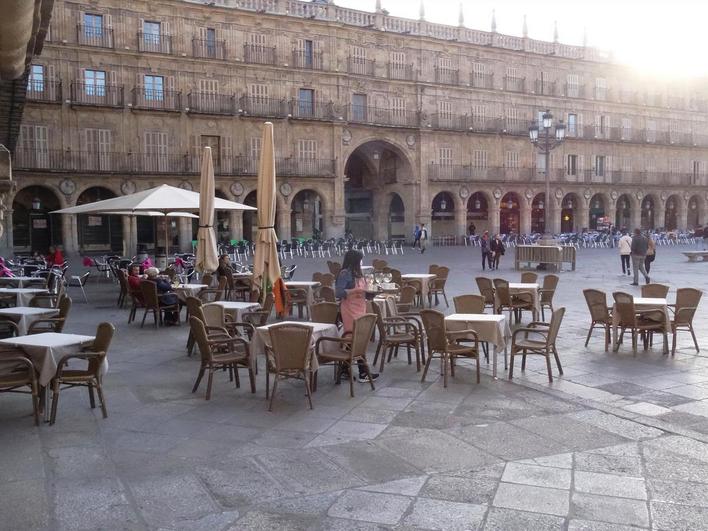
<point>420,237</point>
<point>492,251</point>
<point>640,250</point>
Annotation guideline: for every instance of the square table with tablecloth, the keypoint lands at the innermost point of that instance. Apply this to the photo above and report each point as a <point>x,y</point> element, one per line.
<point>23,295</point>
<point>386,304</point>
<point>21,282</point>
<point>491,328</point>
<point>24,316</point>
<point>309,286</point>
<point>262,338</point>
<point>424,278</point>
<point>236,309</point>
<point>521,287</point>
<point>643,304</point>
<point>188,290</point>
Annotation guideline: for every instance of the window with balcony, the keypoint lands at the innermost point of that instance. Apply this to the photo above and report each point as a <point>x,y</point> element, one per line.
<point>572,126</point>
<point>479,158</point>
<point>93,30</point>
<point>306,103</point>
<point>572,86</point>
<point>626,128</point>
<point>479,116</point>
<point>397,67</point>
<point>446,72</point>
<point>481,78</point>
<point>94,83</point>
<point>602,126</point>
<point>210,42</point>
<point>675,166</point>
<point>154,88</point>
<point>155,151</point>
<point>213,142</point>
<point>651,131</point>
<point>93,26</point>
<point>513,80</point>
<point>512,160</point>
<point>358,63</point>
<point>96,148</point>
<point>600,88</point>
<point>445,156</point>
<point>32,147</point>
<point>572,165</point>
<point>307,149</point>
<point>36,79</point>
<point>359,107</point>
<point>307,53</point>
<point>600,164</point>
<point>257,50</point>
<point>152,38</point>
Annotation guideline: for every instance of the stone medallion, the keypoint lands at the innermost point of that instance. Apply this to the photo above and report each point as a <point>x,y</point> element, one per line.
<point>128,187</point>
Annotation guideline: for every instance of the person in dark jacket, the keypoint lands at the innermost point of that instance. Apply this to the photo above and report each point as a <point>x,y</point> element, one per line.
<point>484,244</point>
<point>498,250</point>
<point>640,246</point>
<point>164,293</point>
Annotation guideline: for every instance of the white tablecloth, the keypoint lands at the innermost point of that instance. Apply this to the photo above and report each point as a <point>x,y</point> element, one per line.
<point>492,328</point>
<point>21,282</point>
<point>236,309</point>
<point>262,338</point>
<point>45,350</point>
<point>188,290</point>
<point>24,316</point>
<point>518,287</point>
<point>424,278</point>
<point>24,295</point>
<point>309,286</point>
<point>387,305</point>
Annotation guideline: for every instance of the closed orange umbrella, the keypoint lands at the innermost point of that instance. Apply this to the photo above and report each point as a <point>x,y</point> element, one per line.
<point>266,264</point>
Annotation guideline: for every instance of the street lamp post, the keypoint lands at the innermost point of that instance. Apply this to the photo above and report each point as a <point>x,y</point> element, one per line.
<point>545,144</point>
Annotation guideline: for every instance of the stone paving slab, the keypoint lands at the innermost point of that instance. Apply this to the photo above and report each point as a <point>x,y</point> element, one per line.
<point>617,443</point>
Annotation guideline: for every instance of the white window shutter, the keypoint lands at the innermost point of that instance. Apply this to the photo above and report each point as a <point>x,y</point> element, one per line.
<point>227,155</point>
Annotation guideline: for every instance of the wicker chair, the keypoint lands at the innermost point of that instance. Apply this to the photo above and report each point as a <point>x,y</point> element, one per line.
<point>406,299</point>
<point>220,353</point>
<point>124,287</point>
<point>298,299</point>
<point>687,300</point>
<point>396,332</point>
<point>547,292</point>
<point>655,291</point>
<point>8,328</point>
<point>353,348</point>
<point>437,286</point>
<point>418,286</point>
<point>379,264</point>
<point>326,294</point>
<point>215,317</point>
<point>288,357</point>
<point>52,324</point>
<point>638,322</point>
<point>447,345</point>
<point>528,277</point>
<point>317,277</point>
<point>90,376</point>
<point>545,346</point>
<point>196,308</point>
<point>514,303</point>
<point>17,372</point>
<point>260,317</point>
<point>433,269</point>
<point>469,304</point>
<point>334,267</point>
<point>153,304</point>
<point>214,294</point>
<point>599,313</point>
<point>324,312</point>
<point>327,280</point>
<point>486,289</point>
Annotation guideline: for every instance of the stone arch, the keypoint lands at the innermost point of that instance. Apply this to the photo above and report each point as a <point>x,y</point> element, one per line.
<point>673,212</point>
<point>695,211</point>
<point>570,209</point>
<point>624,212</point>
<point>510,207</point>
<point>538,207</point>
<point>479,206</point>
<point>599,208</point>
<point>443,207</point>
<point>648,207</point>
<point>97,232</point>
<point>33,227</point>
<point>396,216</point>
<point>306,219</point>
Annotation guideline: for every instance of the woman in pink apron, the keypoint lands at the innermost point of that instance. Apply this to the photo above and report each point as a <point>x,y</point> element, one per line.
<point>350,289</point>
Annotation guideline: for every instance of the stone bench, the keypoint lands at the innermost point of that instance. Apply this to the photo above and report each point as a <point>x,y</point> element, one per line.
<point>693,256</point>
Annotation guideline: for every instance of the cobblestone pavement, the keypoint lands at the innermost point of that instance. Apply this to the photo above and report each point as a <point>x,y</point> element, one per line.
<point>617,443</point>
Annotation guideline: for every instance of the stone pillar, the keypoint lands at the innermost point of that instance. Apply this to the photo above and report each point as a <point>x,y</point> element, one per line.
<point>69,234</point>
<point>682,215</point>
<point>460,222</point>
<point>283,228</point>
<point>635,217</point>
<point>659,214</point>
<point>525,216</point>
<point>236,224</point>
<point>582,215</point>
<point>494,221</point>
<point>6,242</point>
<point>184,227</point>
<point>554,217</point>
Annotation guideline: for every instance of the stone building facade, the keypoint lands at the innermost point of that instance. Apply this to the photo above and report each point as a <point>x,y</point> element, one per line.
<point>380,123</point>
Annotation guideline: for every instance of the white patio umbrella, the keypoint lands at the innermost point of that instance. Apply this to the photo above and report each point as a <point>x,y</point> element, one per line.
<point>163,199</point>
<point>266,265</point>
<point>207,259</point>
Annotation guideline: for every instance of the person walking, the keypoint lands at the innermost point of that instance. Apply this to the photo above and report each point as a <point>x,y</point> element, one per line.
<point>423,237</point>
<point>640,245</point>
<point>651,253</point>
<point>498,250</point>
<point>350,289</point>
<point>484,244</point>
<point>625,249</point>
<point>416,237</point>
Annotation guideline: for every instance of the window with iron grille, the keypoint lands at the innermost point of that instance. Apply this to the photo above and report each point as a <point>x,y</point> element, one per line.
<point>154,87</point>
<point>445,156</point>
<point>95,82</point>
<point>573,85</point>
<point>513,160</point>
<point>479,158</point>
<point>307,149</point>
<point>572,168</point>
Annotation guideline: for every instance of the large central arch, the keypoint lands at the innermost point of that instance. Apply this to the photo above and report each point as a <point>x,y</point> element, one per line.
<point>373,171</point>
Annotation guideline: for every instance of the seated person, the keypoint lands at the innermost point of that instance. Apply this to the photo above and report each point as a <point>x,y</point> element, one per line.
<point>55,258</point>
<point>164,293</point>
<point>225,268</point>
<point>4,271</point>
<point>134,280</point>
